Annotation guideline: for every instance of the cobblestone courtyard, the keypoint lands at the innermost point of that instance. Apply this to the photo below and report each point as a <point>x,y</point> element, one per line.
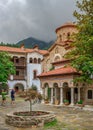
<point>68,118</point>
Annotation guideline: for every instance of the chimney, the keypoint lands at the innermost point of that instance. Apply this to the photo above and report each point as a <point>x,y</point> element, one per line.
<point>22,46</point>
<point>35,47</point>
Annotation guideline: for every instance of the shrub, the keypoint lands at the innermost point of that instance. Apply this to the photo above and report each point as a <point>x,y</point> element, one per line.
<point>34,87</point>
<point>80,102</point>
<point>65,101</point>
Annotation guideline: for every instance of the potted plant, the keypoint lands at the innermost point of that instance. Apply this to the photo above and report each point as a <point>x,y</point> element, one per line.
<point>80,103</point>
<point>66,102</point>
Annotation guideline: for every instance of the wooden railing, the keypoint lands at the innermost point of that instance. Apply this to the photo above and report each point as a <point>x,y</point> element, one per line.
<point>18,64</point>
<point>15,77</point>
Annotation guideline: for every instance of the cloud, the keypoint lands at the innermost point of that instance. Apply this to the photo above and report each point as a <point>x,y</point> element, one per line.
<point>20,19</point>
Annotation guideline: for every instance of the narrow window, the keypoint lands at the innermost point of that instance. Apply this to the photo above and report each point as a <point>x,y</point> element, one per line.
<point>30,60</point>
<point>35,60</point>
<point>90,94</point>
<point>68,35</point>
<point>34,74</point>
<point>17,72</point>
<point>39,60</point>
<point>17,60</point>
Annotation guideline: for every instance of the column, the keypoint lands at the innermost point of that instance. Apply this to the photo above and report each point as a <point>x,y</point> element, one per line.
<point>55,93</point>
<point>43,95</point>
<point>51,95</point>
<point>72,96</point>
<point>78,94</point>
<point>61,96</point>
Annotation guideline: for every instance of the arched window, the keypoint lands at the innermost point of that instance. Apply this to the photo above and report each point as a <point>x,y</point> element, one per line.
<point>30,60</point>
<point>90,94</point>
<point>57,58</point>
<point>39,60</point>
<point>16,60</point>
<point>56,50</point>
<point>34,74</point>
<point>35,60</point>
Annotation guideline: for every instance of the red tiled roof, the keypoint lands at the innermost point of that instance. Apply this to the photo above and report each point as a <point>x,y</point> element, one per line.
<point>11,49</point>
<point>21,50</point>
<point>39,51</point>
<point>60,71</point>
<point>61,61</point>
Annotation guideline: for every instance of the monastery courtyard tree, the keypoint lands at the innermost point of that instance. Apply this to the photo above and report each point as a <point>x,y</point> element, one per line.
<point>6,67</point>
<point>83,43</point>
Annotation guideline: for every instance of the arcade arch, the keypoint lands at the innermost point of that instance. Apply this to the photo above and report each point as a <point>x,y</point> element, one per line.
<point>19,87</point>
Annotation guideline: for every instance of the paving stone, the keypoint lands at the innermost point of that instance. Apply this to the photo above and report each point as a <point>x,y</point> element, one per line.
<point>69,118</point>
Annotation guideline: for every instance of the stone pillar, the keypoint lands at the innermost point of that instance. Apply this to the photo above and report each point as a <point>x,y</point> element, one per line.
<point>78,94</point>
<point>55,93</point>
<point>72,96</point>
<point>51,95</point>
<point>61,96</point>
<point>43,94</point>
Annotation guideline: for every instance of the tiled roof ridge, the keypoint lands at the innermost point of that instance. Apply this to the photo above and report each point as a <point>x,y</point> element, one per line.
<point>21,50</point>
<point>59,71</point>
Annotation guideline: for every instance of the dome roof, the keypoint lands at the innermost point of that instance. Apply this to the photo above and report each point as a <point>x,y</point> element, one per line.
<point>67,24</point>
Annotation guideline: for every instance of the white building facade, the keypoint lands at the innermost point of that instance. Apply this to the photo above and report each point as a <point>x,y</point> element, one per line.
<point>28,65</point>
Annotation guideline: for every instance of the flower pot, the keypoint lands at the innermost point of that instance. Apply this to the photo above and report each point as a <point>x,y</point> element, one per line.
<point>66,103</point>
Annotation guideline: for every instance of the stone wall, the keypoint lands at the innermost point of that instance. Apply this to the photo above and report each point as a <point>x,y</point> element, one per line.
<point>29,121</point>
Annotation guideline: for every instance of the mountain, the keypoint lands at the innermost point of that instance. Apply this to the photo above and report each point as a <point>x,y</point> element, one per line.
<point>31,42</point>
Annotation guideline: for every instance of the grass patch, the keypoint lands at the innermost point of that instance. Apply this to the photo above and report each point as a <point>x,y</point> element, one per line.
<point>51,124</point>
<point>56,125</point>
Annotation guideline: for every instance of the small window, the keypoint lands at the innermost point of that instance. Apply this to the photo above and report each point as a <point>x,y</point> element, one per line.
<point>35,60</point>
<point>68,35</point>
<point>17,60</point>
<point>17,72</point>
<point>30,60</point>
<point>34,74</point>
<point>39,60</point>
<point>90,93</point>
<point>56,50</point>
<point>60,37</point>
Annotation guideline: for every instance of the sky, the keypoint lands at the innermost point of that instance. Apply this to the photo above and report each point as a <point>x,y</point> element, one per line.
<point>20,19</point>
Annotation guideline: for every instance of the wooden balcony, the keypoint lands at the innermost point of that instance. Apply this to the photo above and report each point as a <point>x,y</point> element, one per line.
<point>20,65</point>
<point>16,77</point>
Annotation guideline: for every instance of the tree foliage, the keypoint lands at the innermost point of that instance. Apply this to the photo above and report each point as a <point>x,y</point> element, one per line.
<point>6,67</point>
<point>9,44</point>
<point>83,41</point>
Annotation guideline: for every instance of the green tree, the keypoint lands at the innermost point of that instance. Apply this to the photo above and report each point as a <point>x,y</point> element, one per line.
<point>83,41</point>
<point>6,67</point>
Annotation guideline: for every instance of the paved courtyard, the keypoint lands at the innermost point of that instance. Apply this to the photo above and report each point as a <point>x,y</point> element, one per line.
<point>68,118</point>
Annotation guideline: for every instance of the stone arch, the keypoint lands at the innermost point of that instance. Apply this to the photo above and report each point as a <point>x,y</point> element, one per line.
<point>67,91</point>
<point>47,91</point>
<point>57,57</point>
<point>55,85</point>
<point>19,87</point>
<point>65,84</point>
